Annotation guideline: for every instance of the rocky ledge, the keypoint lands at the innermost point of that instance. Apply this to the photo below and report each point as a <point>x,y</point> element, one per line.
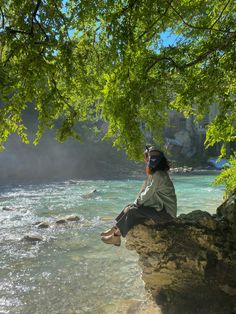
<point>189,264</point>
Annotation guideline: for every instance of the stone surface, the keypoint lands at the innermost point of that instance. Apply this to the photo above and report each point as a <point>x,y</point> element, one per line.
<point>43,225</point>
<point>189,264</point>
<point>89,194</point>
<point>72,218</point>
<point>227,210</point>
<point>61,221</point>
<point>6,208</point>
<point>32,238</point>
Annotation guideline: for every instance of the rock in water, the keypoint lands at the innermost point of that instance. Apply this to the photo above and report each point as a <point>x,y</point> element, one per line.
<point>32,238</point>
<point>43,225</point>
<point>72,218</point>
<point>90,194</point>
<point>61,221</point>
<point>189,264</point>
<point>9,209</point>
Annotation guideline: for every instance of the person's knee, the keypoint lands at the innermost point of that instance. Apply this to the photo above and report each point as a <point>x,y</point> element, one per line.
<point>126,209</point>
<point>132,212</point>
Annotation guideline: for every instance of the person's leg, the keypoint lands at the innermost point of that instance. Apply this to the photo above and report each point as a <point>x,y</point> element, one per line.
<point>113,229</point>
<point>124,210</point>
<point>131,217</point>
<point>137,215</point>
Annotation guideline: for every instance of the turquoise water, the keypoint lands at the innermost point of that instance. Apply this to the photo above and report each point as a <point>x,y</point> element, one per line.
<point>71,270</point>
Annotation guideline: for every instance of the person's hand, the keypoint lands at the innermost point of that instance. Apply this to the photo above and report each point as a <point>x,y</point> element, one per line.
<point>127,208</point>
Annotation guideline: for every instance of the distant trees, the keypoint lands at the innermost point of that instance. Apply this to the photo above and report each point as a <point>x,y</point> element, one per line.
<point>85,60</point>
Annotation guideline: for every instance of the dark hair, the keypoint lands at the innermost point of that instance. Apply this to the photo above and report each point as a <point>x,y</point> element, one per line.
<point>161,164</point>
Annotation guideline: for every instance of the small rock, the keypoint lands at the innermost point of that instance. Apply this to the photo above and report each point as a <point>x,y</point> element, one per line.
<point>6,208</point>
<point>43,225</point>
<point>72,218</point>
<point>33,238</point>
<point>61,221</point>
<point>90,194</point>
<point>36,223</point>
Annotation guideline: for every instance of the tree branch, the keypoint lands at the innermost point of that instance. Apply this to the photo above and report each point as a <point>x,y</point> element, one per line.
<point>158,59</point>
<point>3,18</point>
<point>72,110</point>
<point>194,26</point>
<point>16,31</point>
<point>198,59</point>
<point>221,13</point>
<point>128,7</point>
<point>155,22</point>
<point>63,17</point>
<point>43,30</point>
<point>34,15</point>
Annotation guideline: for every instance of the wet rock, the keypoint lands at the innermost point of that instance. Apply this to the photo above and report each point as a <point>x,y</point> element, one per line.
<point>189,264</point>
<point>72,218</point>
<point>32,238</point>
<point>36,223</point>
<point>61,221</point>
<point>90,194</point>
<point>6,208</point>
<point>43,224</point>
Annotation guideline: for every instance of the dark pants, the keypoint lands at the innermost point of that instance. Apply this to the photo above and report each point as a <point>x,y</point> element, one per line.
<point>137,215</point>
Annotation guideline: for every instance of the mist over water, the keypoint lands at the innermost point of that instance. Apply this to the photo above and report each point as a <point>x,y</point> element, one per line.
<point>51,160</point>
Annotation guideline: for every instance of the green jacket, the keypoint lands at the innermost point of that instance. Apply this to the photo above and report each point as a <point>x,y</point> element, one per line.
<point>158,191</point>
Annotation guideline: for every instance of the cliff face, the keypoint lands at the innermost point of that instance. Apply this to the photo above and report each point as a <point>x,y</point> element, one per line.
<point>189,264</point>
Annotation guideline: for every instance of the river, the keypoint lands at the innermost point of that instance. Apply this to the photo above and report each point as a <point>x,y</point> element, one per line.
<point>71,270</point>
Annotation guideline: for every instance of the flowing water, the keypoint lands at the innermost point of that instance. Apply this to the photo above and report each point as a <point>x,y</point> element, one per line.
<point>71,270</point>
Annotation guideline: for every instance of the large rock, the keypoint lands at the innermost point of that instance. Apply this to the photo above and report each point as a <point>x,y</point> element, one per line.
<point>189,264</point>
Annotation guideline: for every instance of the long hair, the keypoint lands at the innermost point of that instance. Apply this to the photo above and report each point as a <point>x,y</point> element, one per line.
<point>162,165</point>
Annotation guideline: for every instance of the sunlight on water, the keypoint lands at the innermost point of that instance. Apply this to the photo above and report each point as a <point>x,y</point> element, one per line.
<point>71,270</point>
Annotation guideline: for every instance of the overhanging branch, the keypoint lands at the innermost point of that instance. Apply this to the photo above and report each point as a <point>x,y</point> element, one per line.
<point>198,59</point>
<point>194,26</point>
<point>221,13</point>
<point>34,15</point>
<point>155,22</point>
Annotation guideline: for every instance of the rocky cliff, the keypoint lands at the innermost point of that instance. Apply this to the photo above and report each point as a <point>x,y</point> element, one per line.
<point>189,264</point>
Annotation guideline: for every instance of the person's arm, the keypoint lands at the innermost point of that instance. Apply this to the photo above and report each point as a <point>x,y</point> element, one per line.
<point>146,194</point>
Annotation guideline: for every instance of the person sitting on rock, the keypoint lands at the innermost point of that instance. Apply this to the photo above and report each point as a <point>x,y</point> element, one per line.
<point>156,199</point>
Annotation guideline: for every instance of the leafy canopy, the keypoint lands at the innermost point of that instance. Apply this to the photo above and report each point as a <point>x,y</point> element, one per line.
<point>100,59</point>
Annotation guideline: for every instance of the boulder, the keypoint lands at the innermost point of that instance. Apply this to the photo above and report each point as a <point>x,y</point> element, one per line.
<point>189,264</point>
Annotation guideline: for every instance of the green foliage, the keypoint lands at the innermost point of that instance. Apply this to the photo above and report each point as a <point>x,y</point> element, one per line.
<point>106,60</point>
<point>228,176</point>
